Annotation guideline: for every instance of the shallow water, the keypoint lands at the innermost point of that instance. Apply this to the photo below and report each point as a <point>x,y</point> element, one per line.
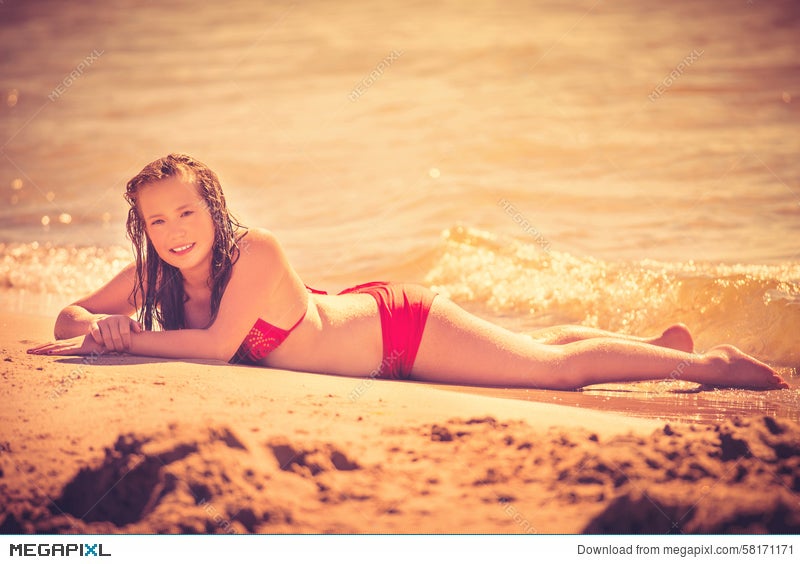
<point>678,402</point>
<point>624,166</point>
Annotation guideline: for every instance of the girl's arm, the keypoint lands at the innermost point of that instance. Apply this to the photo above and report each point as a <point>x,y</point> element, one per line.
<point>113,298</point>
<point>262,284</point>
<point>105,313</point>
<point>98,322</point>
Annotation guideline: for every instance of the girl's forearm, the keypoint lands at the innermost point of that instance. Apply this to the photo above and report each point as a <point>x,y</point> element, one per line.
<point>180,343</point>
<point>73,321</point>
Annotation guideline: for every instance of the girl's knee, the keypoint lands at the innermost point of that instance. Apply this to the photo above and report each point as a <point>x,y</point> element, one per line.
<point>571,373</point>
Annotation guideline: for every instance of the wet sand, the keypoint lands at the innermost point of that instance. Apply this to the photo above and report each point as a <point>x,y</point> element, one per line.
<point>673,401</point>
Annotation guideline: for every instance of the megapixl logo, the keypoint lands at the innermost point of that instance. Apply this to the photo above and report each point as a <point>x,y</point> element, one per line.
<point>84,549</point>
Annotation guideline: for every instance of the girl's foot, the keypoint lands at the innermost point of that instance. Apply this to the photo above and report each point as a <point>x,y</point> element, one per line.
<point>734,369</point>
<point>675,337</point>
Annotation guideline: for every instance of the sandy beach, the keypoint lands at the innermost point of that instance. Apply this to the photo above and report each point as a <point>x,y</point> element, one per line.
<point>123,444</point>
<point>623,166</point>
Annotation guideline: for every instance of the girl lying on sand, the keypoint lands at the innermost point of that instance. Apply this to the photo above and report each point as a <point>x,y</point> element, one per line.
<point>210,283</point>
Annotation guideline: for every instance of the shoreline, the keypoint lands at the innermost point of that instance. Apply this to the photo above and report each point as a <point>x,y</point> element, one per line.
<point>137,445</point>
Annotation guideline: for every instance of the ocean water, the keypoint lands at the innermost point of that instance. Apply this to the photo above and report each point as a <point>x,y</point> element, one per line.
<point>622,165</point>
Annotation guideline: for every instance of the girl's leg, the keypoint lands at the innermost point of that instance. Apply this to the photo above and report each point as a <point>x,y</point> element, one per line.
<point>460,348</point>
<point>675,336</point>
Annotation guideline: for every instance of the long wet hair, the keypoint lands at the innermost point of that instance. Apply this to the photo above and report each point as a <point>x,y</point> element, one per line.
<point>158,287</point>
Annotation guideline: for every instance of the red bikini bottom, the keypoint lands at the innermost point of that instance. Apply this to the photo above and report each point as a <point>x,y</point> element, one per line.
<point>404,310</point>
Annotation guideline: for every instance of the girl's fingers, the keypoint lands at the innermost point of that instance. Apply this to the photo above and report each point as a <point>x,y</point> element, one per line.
<point>121,334</point>
<point>114,332</point>
<point>103,336</point>
<point>116,340</point>
<point>49,348</point>
<point>95,332</point>
<point>125,335</point>
<point>74,346</point>
<point>108,338</point>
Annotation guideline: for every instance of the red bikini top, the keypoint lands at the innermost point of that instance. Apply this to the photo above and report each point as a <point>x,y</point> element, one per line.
<point>264,338</point>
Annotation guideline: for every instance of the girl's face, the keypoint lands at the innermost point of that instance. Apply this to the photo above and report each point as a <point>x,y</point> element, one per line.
<point>178,222</point>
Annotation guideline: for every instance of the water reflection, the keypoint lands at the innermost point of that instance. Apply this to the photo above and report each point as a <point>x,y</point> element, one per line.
<point>680,402</point>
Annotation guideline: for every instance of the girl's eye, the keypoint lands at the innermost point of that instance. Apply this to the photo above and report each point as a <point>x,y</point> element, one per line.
<point>157,222</point>
<point>187,212</point>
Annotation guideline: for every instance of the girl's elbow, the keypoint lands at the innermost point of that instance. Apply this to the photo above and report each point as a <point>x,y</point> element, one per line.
<point>221,349</point>
<point>64,321</point>
<point>58,331</point>
<point>224,354</point>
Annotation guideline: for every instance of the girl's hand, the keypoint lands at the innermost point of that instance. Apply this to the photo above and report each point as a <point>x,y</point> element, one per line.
<point>76,346</point>
<point>114,332</point>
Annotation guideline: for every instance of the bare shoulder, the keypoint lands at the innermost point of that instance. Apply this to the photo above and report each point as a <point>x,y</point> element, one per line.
<point>261,274</point>
<point>260,246</point>
<point>258,236</point>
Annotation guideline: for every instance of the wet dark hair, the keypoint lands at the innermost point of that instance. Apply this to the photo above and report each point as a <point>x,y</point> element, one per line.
<point>158,291</point>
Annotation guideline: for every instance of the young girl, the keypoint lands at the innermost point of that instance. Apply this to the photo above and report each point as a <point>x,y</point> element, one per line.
<point>221,292</point>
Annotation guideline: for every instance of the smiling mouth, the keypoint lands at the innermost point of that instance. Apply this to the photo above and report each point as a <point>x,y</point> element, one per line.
<point>182,250</point>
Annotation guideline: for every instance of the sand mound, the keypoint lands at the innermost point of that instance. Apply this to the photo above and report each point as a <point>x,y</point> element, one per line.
<point>739,477</point>
<point>458,475</point>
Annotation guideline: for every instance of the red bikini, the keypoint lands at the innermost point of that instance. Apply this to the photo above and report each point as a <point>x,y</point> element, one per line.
<point>261,340</point>
<point>403,308</point>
